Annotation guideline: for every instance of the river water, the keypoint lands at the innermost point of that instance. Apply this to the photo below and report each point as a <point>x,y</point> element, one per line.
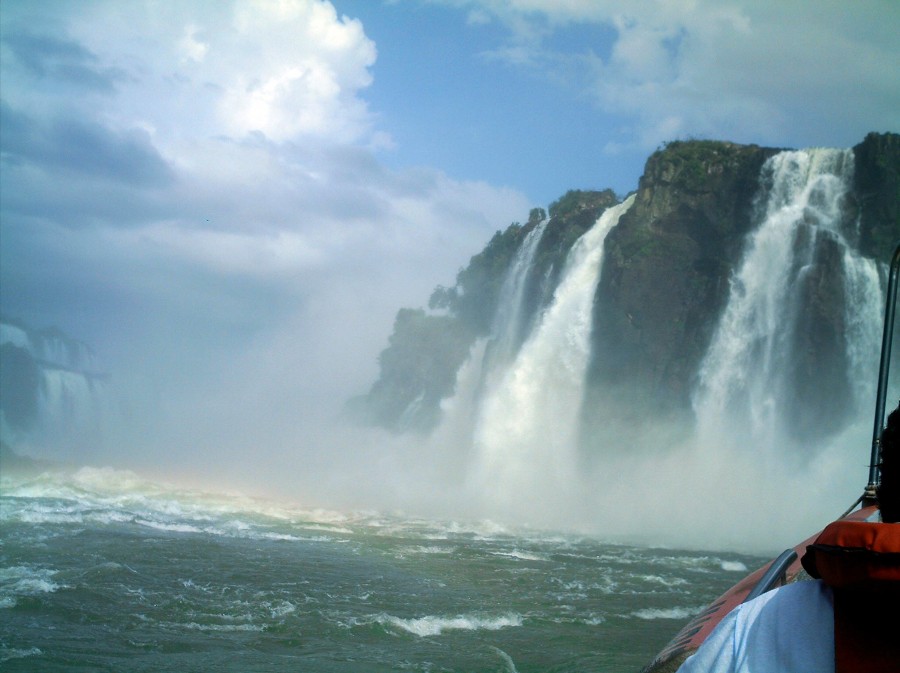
<point>101,570</point>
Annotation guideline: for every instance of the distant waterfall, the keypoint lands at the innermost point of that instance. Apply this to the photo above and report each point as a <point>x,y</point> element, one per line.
<point>525,429</point>
<point>761,367</point>
<point>53,393</point>
<point>71,402</point>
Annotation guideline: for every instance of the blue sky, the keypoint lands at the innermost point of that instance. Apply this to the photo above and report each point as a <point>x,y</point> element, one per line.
<point>230,200</point>
<point>452,100</point>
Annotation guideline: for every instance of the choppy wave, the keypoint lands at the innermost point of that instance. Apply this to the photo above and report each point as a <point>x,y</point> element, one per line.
<point>9,653</point>
<point>435,626</point>
<point>667,613</point>
<point>221,628</point>
<point>521,555</point>
<point>19,581</point>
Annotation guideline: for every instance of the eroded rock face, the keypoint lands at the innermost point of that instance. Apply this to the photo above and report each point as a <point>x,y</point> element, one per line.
<point>665,276</point>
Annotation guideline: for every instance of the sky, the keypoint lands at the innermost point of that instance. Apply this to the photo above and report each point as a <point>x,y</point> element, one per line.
<point>230,200</point>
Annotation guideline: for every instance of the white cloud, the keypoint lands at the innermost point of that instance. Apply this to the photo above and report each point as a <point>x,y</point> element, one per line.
<point>192,48</point>
<point>286,68</point>
<point>772,71</point>
<point>302,76</point>
<point>203,194</point>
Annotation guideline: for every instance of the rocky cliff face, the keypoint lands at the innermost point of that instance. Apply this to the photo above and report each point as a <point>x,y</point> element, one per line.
<point>665,277</point>
<point>665,280</point>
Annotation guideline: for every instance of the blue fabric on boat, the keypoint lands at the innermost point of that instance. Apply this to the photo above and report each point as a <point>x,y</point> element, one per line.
<point>787,630</point>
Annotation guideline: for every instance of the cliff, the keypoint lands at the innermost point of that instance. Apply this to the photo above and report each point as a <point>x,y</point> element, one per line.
<point>665,280</point>
<point>667,265</point>
<point>877,189</point>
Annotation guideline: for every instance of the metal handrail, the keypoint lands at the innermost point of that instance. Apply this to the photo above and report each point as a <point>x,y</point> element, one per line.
<point>775,575</point>
<point>883,372</point>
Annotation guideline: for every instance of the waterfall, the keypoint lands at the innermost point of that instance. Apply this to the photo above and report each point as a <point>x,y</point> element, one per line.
<point>524,436</point>
<point>53,395</point>
<point>782,366</point>
<point>70,401</point>
<point>508,324</point>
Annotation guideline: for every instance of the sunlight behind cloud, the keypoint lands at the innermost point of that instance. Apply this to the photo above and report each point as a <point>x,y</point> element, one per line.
<point>303,76</point>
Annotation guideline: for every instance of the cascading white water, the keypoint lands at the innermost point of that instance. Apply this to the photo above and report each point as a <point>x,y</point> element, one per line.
<point>507,327</point>
<point>782,326</point>
<point>525,434</point>
<point>488,355</point>
<point>67,397</point>
<point>745,380</point>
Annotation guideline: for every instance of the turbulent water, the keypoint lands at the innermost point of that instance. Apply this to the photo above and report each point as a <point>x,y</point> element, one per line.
<point>102,571</point>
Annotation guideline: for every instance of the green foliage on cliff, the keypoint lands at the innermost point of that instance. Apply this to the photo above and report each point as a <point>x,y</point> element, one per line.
<point>666,270</point>
<point>474,298</point>
<point>691,163</point>
<point>418,368</point>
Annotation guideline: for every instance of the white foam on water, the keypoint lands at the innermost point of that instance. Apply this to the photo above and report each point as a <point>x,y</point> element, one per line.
<point>7,654</point>
<point>667,613</point>
<point>423,549</point>
<point>665,581</point>
<point>281,609</point>
<point>340,530</point>
<point>435,626</point>
<point>19,581</point>
<point>225,628</point>
<point>733,566</point>
<point>521,555</point>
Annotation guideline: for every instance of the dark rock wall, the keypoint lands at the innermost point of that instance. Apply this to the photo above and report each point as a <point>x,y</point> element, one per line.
<point>667,264</point>
<point>877,190</point>
<point>19,387</point>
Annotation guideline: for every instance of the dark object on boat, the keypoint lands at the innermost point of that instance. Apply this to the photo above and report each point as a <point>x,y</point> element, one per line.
<point>787,567</point>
